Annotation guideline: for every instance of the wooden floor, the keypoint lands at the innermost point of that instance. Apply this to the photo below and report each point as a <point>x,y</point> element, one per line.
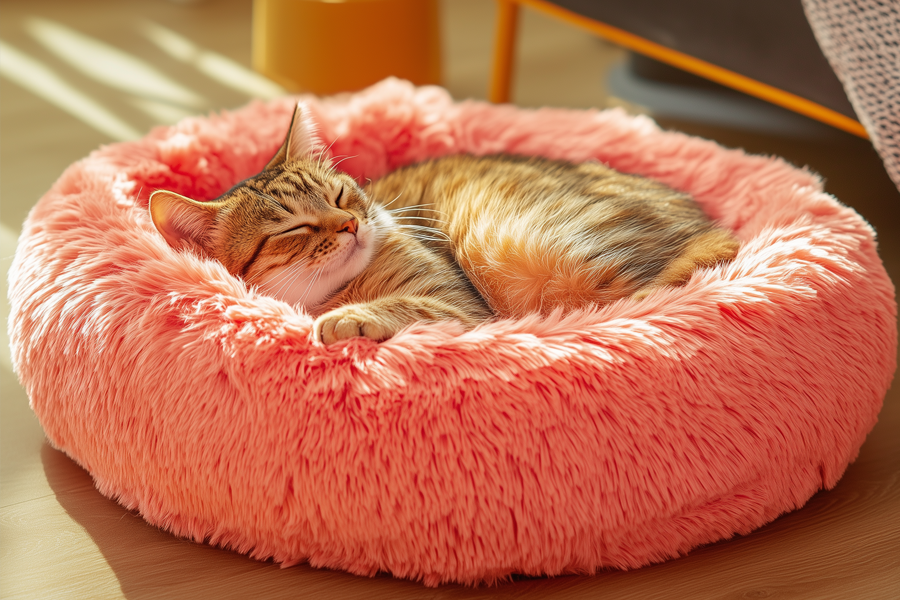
<point>62,539</point>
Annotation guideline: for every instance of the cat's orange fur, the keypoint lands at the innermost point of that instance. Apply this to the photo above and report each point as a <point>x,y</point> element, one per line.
<point>466,238</point>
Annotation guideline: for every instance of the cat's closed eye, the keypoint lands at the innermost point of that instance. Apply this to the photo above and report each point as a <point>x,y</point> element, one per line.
<point>302,228</point>
<point>339,197</point>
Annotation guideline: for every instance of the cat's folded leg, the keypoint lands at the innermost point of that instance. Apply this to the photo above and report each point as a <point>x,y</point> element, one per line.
<point>383,318</point>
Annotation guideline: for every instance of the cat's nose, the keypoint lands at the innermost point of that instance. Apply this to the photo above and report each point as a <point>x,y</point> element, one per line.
<point>349,226</point>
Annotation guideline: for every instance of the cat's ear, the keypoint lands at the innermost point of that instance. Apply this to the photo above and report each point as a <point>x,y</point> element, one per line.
<point>182,221</point>
<point>302,139</point>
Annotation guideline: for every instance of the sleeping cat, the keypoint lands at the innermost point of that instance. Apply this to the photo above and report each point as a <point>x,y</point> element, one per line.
<point>460,238</point>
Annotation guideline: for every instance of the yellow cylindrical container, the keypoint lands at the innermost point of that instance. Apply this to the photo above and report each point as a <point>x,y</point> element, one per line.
<point>330,46</point>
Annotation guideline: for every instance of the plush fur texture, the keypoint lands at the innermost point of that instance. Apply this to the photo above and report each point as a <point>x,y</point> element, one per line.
<point>609,438</point>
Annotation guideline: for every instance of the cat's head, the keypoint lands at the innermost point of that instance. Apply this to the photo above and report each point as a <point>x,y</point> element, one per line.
<point>299,230</point>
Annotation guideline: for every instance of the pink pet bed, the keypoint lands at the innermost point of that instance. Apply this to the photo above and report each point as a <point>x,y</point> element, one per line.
<point>610,438</point>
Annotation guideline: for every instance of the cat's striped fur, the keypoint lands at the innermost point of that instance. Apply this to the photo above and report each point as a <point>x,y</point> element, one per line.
<point>457,238</point>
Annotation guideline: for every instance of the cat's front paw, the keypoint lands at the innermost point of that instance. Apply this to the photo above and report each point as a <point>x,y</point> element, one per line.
<point>352,321</point>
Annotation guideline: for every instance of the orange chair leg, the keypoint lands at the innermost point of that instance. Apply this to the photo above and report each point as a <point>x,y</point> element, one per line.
<point>504,50</point>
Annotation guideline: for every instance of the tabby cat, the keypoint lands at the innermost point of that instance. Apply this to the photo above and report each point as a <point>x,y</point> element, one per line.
<point>460,238</point>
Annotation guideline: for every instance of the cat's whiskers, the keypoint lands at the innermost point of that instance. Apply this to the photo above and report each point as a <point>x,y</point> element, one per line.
<point>334,166</point>
<point>250,280</point>
<point>324,150</point>
<point>412,207</point>
<point>422,229</point>
<point>416,227</point>
<point>398,214</point>
<point>310,288</point>
<point>299,264</point>
<point>385,206</point>
<point>291,276</point>
<point>277,278</point>
<point>421,238</point>
<point>284,276</point>
<point>427,219</point>
<point>423,208</point>
<point>428,230</point>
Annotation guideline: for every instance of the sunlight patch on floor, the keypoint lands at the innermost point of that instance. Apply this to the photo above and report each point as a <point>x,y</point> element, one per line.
<point>42,81</point>
<point>212,64</point>
<point>161,112</point>
<point>110,65</point>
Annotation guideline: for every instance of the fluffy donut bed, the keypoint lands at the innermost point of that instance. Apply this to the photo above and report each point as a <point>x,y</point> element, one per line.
<point>615,437</point>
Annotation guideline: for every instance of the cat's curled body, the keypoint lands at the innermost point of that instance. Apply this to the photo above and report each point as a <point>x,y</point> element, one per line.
<point>459,238</point>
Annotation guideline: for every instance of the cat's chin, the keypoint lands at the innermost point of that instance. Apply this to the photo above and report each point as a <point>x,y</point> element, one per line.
<point>311,288</point>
